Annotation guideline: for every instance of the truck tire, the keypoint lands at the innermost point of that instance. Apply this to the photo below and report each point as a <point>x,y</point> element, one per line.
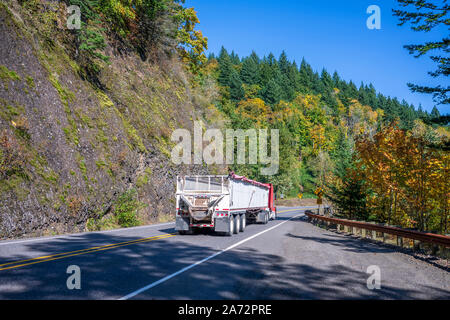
<point>273,215</point>
<point>243,222</point>
<point>266,218</point>
<point>237,224</point>
<point>230,232</point>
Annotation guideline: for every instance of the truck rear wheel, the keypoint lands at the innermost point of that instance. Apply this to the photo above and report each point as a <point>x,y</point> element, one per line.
<point>243,222</point>
<point>231,225</point>
<point>237,224</point>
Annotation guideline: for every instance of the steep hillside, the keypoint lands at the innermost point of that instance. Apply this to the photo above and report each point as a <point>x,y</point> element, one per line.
<point>79,152</point>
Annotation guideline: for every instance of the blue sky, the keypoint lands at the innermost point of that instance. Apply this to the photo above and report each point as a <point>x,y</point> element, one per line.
<point>330,34</point>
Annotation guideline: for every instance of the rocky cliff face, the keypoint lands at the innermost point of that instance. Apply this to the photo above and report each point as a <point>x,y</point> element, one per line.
<point>69,148</point>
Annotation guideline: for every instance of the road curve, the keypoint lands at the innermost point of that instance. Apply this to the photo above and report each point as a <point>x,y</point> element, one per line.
<point>285,259</point>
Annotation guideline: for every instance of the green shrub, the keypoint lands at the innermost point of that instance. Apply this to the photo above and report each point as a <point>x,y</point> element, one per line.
<point>126,209</point>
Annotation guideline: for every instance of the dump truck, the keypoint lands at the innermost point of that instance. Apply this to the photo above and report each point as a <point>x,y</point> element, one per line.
<point>224,204</point>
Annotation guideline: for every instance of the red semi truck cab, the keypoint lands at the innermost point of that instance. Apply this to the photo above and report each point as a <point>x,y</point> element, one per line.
<point>272,206</point>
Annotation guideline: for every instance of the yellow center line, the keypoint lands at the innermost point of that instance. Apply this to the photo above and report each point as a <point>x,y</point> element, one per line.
<point>288,210</point>
<point>63,255</point>
<point>86,249</point>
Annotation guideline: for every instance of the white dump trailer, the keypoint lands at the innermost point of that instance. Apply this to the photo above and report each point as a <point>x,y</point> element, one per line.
<point>222,203</point>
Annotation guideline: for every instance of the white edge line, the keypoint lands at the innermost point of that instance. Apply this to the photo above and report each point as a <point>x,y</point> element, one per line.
<point>154,284</point>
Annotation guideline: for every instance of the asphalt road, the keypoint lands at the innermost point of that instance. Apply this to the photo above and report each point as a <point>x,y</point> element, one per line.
<point>286,259</point>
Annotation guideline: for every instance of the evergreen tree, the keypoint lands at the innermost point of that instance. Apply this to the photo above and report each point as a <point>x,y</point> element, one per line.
<point>363,95</point>
<point>342,155</point>
<point>420,111</point>
<point>326,89</point>
<point>306,77</point>
<point>350,199</point>
<point>269,70</point>
<point>237,92</point>
<point>250,71</point>
<point>294,77</point>
<point>255,57</point>
<point>271,61</point>
<point>283,63</point>
<point>326,80</point>
<point>265,73</point>
<point>287,87</point>
<point>336,80</point>
<point>225,69</point>
<point>372,97</point>
<point>348,195</point>
<point>426,16</point>
<point>222,54</point>
<point>234,58</point>
<point>407,116</point>
<point>435,112</point>
<point>271,93</point>
<point>350,91</point>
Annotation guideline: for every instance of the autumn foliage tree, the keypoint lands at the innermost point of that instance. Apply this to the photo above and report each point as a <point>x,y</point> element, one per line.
<point>407,177</point>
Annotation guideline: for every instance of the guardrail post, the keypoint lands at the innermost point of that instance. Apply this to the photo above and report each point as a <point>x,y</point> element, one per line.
<point>400,241</point>
<point>410,244</point>
<point>434,249</point>
<point>363,233</point>
<point>416,245</point>
<point>444,252</point>
<point>374,235</point>
<point>346,229</point>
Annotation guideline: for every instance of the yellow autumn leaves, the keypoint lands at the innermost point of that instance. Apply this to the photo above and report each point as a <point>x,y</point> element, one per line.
<point>408,176</point>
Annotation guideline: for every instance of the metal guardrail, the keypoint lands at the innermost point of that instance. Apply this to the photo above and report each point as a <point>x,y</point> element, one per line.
<point>436,239</point>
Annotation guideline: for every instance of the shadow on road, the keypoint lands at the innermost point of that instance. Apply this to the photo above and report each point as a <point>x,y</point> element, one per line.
<point>354,243</point>
<point>242,273</point>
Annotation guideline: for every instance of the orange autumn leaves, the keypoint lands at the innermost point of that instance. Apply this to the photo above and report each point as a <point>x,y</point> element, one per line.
<point>407,174</point>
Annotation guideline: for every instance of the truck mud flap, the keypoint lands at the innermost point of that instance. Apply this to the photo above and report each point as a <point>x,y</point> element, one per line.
<point>181,224</point>
<point>222,224</point>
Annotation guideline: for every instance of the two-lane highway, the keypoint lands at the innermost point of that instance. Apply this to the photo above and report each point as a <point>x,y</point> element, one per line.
<point>285,259</point>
